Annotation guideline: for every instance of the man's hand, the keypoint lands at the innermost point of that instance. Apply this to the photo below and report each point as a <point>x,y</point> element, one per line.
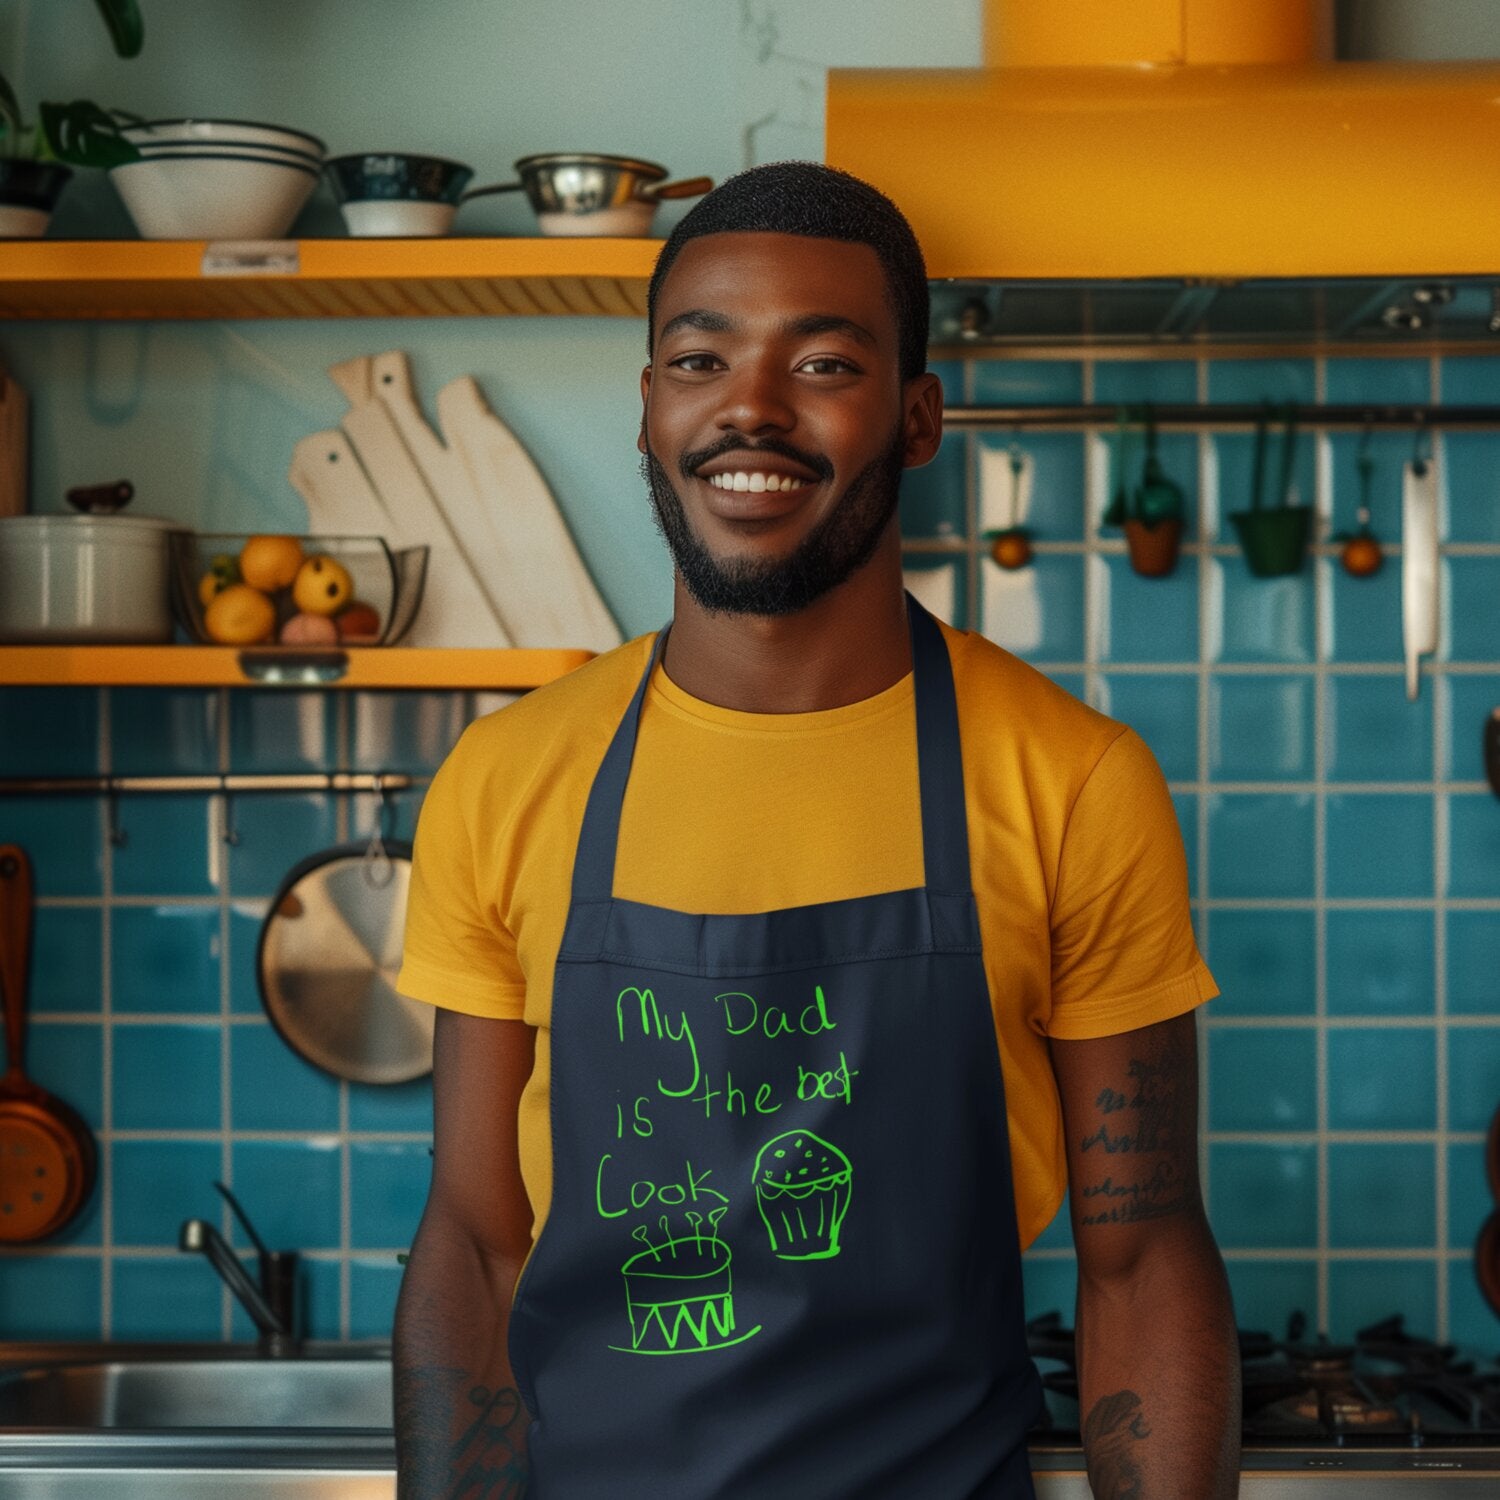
<point>1158,1356</point>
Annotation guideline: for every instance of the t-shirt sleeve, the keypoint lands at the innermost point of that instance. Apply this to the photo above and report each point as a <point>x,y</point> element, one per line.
<point>1123,951</point>
<point>458,953</point>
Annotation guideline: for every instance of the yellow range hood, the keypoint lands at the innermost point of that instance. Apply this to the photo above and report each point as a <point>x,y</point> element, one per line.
<point>1187,170</point>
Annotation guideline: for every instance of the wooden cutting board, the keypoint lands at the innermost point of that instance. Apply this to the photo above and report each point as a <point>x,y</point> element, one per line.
<point>550,597</point>
<point>13,446</point>
<point>341,501</point>
<point>416,515</point>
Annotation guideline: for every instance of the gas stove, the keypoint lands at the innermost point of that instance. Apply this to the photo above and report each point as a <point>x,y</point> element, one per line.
<point>1387,1417</point>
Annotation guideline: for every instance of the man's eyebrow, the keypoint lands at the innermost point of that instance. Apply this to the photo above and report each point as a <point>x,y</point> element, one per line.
<point>830,323</point>
<point>701,319</point>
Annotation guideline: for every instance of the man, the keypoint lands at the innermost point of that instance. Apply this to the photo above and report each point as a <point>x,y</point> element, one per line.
<point>789,965</point>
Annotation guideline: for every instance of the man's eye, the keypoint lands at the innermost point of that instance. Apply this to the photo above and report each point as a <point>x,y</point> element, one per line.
<point>696,364</point>
<point>827,364</point>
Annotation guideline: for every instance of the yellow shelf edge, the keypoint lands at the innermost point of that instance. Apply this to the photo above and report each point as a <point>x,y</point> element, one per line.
<point>432,669</point>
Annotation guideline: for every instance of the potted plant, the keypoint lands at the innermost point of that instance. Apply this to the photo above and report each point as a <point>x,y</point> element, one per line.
<point>1151,515</point>
<point>36,160</point>
<point>1274,537</point>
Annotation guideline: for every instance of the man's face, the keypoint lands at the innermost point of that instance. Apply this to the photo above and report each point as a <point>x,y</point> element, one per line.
<point>776,424</point>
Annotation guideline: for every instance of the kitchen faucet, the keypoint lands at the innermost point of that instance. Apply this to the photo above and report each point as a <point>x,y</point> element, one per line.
<point>274,1305</point>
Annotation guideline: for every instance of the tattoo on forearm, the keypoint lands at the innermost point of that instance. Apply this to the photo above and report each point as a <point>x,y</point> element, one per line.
<point>1148,1129</point>
<point>1111,1432</point>
<point>486,1461</point>
<point>489,1459</point>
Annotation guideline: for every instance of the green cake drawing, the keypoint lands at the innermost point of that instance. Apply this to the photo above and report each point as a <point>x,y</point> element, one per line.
<point>802,1188</point>
<point>679,1294</point>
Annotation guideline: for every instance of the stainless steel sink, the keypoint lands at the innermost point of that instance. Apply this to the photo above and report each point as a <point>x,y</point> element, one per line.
<point>160,1394</point>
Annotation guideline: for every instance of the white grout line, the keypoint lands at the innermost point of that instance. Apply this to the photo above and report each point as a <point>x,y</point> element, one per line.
<point>221,825</point>
<point>106,1035</point>
<point>1208,506</point>
<point>1321,588</point>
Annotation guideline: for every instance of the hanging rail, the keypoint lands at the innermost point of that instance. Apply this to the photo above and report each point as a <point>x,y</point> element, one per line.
<point>1226,414</point>
<point>118,786</point>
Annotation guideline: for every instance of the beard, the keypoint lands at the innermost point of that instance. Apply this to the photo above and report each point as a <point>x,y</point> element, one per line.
<point>836,548</point>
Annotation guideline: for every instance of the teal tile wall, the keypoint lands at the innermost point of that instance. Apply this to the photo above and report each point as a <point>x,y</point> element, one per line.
<point>1345,870</point>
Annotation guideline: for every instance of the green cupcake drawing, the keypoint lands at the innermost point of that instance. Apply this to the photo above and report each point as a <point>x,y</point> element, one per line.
<point>802,1187</point>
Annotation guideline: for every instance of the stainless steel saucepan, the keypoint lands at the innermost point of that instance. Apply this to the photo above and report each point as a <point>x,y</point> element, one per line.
<point>585,193</point>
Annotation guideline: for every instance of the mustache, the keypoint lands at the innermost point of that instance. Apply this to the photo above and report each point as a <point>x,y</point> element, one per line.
<point>815,463</point>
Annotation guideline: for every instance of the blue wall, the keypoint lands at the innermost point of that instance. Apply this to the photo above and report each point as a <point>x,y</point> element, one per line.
<point>1345,849</point>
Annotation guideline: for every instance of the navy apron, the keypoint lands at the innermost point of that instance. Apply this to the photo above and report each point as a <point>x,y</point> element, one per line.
<point>781,1257</point>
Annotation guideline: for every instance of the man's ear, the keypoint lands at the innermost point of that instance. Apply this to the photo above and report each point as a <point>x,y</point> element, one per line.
<point>640,437</point>
<point>922,427</point>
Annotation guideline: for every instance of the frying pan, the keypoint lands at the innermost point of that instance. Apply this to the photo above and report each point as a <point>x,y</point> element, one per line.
<point>1487,1251</point>
<point>327,960</point>
<point>47,1157</point>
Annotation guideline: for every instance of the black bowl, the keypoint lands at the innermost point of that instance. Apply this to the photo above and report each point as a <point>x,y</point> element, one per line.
<point>397,176</point>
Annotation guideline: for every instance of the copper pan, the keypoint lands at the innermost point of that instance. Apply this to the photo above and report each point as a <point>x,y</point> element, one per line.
<point>47,1156</point>
<point>1487,1251</point>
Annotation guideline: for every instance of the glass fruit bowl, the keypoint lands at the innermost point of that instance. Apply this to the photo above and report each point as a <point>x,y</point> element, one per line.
<point>235,588</point>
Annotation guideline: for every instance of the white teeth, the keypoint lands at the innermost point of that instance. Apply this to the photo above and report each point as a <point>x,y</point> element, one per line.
<point>744,481</point>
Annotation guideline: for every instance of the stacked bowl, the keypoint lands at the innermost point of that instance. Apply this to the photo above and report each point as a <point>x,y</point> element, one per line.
<point>217,179</point>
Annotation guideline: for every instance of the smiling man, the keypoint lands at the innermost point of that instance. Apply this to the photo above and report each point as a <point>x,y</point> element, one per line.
<point>792,961</point>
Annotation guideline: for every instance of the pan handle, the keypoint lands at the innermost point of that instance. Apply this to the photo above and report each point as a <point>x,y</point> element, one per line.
<point>687,187</point>
<point>493,187</point>
<point>15,954</point>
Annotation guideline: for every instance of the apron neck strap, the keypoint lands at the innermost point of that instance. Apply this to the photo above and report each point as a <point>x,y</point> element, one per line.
<point>945,835</point>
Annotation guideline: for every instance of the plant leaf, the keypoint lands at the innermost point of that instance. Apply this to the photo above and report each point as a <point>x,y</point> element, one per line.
<point>10,107</point>
<point>126,29</point>
<point>83,135</point>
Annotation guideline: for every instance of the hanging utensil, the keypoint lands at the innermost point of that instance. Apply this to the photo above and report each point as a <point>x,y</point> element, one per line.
<point>1361,554</point>
<point>327,961</point>
<point>1419,561</point>
<point>48,1160</point>
<point>1154,532</point>
<point>1274,537</point>
<point>1010,546</point>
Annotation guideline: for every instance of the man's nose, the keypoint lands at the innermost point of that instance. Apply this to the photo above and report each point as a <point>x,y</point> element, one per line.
<point>756,398</point>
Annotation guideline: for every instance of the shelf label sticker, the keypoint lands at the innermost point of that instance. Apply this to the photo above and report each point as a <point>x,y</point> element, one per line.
<point>251,258</point>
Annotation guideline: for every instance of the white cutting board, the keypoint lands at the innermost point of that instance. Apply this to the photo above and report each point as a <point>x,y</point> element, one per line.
<point>416,515</point>
<point>550,599</point>
<point>328,475</point>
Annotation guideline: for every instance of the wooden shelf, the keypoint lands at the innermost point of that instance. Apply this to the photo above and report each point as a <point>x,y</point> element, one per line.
<point>346,278</point>
<point>225,666</point>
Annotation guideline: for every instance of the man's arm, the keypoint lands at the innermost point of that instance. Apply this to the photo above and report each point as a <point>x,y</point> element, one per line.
<point>1158,1357</point>
<point>460,1424</point>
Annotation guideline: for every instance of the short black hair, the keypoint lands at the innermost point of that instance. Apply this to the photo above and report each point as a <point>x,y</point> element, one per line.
<point>808,198</point>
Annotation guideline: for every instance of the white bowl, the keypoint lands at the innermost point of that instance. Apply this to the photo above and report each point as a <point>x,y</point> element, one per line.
<point>228,148</point>
<point>396,218</point>
<point>222,132</point>
<point>213,197</point>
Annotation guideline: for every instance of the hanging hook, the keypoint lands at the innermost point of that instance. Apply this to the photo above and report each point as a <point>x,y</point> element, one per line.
<point>229,833</point>
<point>1421,447</point>
<point>378,868</point>
<point>118,836</point>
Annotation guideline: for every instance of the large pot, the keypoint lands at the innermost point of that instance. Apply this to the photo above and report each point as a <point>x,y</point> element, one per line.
<point>82,579</point>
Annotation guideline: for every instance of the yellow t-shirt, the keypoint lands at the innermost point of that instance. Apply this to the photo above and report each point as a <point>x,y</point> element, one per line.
<point>1077,861</point>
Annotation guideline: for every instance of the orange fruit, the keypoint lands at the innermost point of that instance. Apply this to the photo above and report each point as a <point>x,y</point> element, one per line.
<point>1011,549</point>
<point>269,563</point>
<point>239,616</point>
<point>322,586</point>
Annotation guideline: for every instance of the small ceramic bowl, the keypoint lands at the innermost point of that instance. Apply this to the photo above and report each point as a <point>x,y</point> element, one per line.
<point>396,194</point>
